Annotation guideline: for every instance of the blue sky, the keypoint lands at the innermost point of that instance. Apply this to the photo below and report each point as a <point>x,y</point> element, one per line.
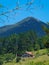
<point>38,12</point>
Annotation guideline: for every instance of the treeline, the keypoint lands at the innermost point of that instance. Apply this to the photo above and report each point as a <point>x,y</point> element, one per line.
<point>19,43</point>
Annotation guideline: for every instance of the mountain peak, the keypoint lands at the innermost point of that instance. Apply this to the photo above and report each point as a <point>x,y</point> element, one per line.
<point>31,18</point>
<point>27,24</point>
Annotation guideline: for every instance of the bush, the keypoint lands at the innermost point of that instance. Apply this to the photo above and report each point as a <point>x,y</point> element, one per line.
<point>1,61</point>
<point>9,57</point>
<point>18,59</point>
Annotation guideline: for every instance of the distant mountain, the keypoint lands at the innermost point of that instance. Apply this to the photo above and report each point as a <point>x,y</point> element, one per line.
<point>25,25</point>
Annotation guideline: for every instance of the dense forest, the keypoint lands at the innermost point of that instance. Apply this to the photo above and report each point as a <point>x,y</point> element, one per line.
<point>23,42</point>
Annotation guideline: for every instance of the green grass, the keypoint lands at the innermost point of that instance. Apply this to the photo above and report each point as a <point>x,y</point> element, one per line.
<point>41,60</point>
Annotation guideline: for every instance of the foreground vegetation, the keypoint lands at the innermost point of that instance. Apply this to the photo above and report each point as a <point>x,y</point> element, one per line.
<point>41,59</point>
<point>29,62</point>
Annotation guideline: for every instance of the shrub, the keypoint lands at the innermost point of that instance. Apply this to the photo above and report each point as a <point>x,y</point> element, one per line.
<point>18,59</point>
<point>1,61</point>
<point>9,57</point>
